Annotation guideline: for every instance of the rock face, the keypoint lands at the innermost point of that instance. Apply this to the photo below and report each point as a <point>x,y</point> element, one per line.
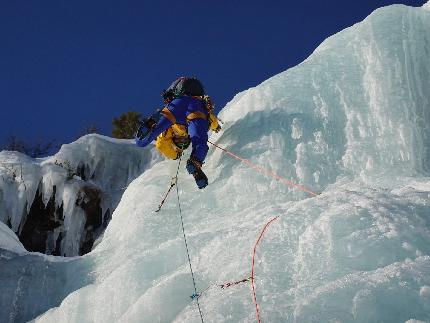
<point>41,223</point>
<point>60,205</point>
<point>90,200</point>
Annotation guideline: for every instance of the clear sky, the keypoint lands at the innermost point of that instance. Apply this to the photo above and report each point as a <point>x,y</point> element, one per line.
<point>67,64</point>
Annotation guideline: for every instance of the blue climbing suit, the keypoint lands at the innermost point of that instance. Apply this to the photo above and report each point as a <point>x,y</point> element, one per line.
<point>185,110</point>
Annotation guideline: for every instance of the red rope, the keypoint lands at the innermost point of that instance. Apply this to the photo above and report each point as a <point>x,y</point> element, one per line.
<point>252,267</point>
<point>249,279</point>
<point>266,171</point>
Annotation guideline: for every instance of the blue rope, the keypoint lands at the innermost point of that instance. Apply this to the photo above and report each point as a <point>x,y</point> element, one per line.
<point>186,244</point>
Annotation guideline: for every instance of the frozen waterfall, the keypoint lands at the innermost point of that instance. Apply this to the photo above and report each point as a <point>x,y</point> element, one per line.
<point>351,122</point>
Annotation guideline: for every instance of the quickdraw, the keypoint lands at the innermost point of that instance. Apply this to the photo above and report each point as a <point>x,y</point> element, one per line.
<point>227,285</point>
<point>173,182</point>
<point>222,286</point>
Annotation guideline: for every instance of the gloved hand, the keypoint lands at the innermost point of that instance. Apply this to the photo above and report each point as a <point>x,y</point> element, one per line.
<point>142,134</point>
<point>145,127</point>
<point>142,142</point>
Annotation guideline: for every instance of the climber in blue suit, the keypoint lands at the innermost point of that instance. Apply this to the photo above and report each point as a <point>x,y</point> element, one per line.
<point>185,105</point>
<point>182,110</point>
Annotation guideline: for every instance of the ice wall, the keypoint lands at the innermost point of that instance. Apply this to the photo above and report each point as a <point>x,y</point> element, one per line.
<point>358,105</point>
<point>351,122</point>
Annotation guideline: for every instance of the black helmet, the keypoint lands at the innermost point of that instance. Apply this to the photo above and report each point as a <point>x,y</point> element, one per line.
<point>184,86</point>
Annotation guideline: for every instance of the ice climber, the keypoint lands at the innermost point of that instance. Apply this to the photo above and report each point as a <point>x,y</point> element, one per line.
<point>185,119</point>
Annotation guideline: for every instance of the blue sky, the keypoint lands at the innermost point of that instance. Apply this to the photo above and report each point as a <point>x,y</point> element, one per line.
<point>67,64</point>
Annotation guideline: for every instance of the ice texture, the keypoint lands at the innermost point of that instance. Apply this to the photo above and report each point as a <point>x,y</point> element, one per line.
<point>352,122</point>
<point>9,241</point>
<point>94,161</point>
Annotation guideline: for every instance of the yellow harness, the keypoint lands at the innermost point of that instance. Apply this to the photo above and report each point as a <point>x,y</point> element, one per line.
<point>172,142</point>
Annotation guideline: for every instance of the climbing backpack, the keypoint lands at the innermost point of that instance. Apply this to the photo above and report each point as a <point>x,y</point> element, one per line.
<point>191,86</point>
<point>184,86</point>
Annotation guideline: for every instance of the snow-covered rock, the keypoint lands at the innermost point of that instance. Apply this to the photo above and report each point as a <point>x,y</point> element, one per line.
<point>60,205</point>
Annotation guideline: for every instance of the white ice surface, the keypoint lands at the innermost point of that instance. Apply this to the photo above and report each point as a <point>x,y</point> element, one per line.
<point>351,122</point>
<point>9,241</point>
